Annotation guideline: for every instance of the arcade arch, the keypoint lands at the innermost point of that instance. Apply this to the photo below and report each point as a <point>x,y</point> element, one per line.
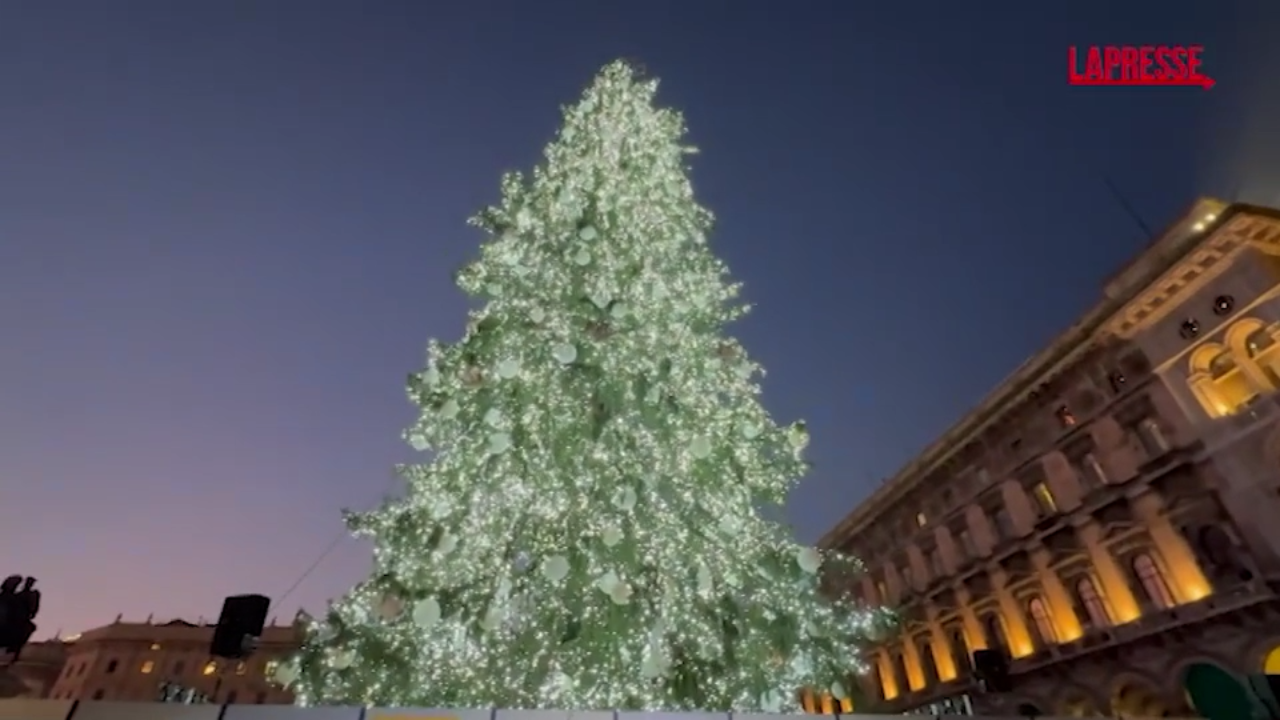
<point>1136,697</point>
<point>1226,376</point>
<point>1077,704</point>
<point>1213,691</point>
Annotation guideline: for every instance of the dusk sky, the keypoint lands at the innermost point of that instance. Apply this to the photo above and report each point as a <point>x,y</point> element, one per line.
<point>227,231</point>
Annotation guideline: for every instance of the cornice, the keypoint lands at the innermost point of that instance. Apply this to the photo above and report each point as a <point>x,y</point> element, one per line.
<point>1205,232</point>
<point>1197,268</point>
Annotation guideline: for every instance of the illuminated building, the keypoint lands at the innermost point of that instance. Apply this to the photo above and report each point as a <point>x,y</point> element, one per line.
<point>1110,515</point>
<point>129,661</point>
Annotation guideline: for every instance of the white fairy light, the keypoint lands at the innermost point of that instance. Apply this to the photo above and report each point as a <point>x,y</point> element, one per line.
<point>586,535</point>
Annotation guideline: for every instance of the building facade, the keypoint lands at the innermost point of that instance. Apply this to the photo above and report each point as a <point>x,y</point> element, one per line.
<point>33,674</point>
<point>130,661</point>
<point>1109,516</point>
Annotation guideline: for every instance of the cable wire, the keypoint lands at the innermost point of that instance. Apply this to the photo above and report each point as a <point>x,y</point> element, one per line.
<point>333,545</point>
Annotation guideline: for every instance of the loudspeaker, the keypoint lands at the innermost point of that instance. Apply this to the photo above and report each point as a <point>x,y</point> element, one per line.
<point>992,668</point>
<point>242,620</point>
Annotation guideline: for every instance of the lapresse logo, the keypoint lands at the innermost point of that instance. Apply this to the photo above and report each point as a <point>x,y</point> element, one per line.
<point>1136,65</point>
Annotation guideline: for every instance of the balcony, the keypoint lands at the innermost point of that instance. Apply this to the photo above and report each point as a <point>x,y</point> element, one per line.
<point>1226,599</point>
<point>929,694</point>
<point>1260,412</point>
<point>1153,622</point>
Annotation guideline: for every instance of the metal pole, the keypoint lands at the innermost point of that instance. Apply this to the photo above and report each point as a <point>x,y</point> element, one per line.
<point>217,682</point>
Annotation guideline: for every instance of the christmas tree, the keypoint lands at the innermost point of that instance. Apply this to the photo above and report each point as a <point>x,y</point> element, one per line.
<point>587,532</point>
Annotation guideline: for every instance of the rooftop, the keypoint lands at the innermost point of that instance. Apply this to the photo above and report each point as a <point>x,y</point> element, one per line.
<point>1198,221</point>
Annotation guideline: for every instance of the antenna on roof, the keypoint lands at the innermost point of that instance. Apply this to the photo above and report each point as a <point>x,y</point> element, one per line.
<point>1128,209</point>
<point>1234,195</point>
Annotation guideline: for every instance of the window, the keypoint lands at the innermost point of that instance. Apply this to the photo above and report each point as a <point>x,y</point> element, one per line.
<point>1091,602</point>
<point>1152,438</point>
<point>210,668</point>
<point>1223,365</point>
<point>1092,474</point>
<point>966,543</point>
<point>269,670</point>
<point>1065,417</point>
<point>178,667</point>
<point>155,646</point>
<point>907,582</point>
<point>881,590</point>
<point>148,666</point>
<point>921,519</point>
<point>1045,504</point>
<point>1258,342</point>
<point>1218,382</point>
<point>877,682</point>
<point>241,667</point>
<point>1043,621</point>
<point>1259,346</point>
<point>993,628</point>
<point>1003,523</point>
<point>984,477</point>
<point>99,694</point>
<point>900,667</point>
<point>1214,547</point>
<point>112,665</point>
<point>959,651</point>
<point>928,664</point>
<point>1152,582</point>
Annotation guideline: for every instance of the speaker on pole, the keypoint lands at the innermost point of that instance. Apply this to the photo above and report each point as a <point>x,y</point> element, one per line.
<point>239,626</point>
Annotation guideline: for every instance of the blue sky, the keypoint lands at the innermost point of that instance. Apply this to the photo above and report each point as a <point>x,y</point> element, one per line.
<point>227,231</point>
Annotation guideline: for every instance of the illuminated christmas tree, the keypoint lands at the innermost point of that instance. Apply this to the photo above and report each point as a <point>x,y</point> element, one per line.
<point>586,533</point>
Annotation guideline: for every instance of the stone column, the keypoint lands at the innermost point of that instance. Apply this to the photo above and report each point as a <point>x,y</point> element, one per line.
<point>1058,599</point>
<point>1186,580</point>
<point>1015,622</point>
<point>1114,585</point>
<point>1202,387</point>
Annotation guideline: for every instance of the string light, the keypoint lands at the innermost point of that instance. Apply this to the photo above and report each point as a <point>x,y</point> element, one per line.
<point>586,534</point>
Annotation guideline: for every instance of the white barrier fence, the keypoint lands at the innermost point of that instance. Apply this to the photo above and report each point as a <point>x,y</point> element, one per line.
<point>84,710</point>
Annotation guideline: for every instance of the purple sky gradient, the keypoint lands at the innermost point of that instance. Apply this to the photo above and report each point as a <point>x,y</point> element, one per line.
<point>227,231</point>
